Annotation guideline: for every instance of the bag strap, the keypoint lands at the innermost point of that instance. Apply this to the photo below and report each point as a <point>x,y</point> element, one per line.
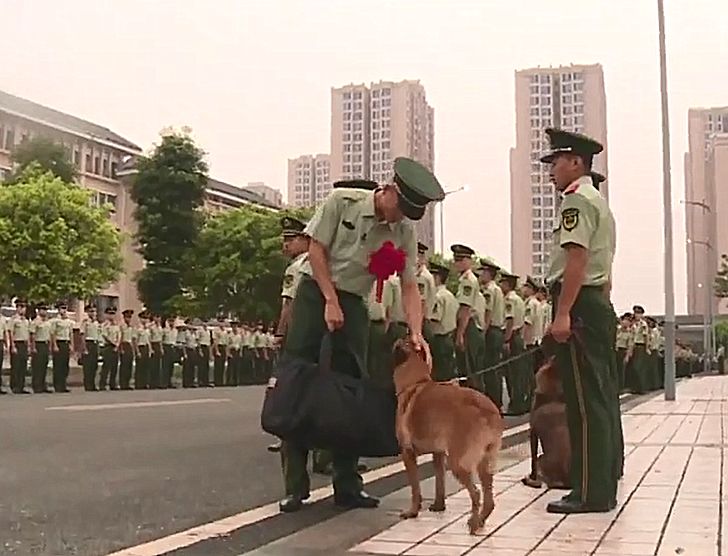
<point>326,353</point>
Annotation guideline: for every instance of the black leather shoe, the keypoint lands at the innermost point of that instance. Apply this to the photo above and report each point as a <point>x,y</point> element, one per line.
<point>2,392</point>
<point>577,507</point>
<point>362,467</point>
<point>274,447</point>
<point>356,500</point>
<point>291,504</point>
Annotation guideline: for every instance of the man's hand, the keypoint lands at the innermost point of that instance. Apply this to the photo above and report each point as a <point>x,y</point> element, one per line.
<point>561,328</point>
<point>419,343</point>
<point>460,341</point>
<point>278,341</point>
<point>333,315</point>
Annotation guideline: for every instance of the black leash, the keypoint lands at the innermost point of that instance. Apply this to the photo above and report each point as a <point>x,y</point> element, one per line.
<point>502,363</point>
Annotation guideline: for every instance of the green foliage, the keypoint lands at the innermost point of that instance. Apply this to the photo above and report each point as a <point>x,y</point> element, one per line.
<point>168,190</point>
<point>237,265</point>
<point>452,279</point>
<point>47,154</point>
<point>721,279</point>
<point>721,334</point>
<point>55,244</point>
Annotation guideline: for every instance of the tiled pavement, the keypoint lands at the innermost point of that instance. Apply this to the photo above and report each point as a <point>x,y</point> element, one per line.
<point>671,500</point>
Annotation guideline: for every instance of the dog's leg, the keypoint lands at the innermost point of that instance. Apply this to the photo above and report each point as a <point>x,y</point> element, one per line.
<point>465,477</point>
<point>532,480</point>
<point>438,461</point>
<point>485,473</point>
<point>409,458</point>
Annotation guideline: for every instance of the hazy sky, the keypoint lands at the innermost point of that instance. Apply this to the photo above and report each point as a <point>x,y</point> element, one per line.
<point>252,79</point>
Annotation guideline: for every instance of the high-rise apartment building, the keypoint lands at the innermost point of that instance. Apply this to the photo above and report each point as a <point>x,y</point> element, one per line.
<point>706,206</point>
<point>309,179</point>
<point>372,125</point>
<point>270,194</point>
<point>566,97</point>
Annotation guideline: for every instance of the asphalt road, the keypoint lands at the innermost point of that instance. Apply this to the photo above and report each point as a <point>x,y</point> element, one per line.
<point>100,475</point>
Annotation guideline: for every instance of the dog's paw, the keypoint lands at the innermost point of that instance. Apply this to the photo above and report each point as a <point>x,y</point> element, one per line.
<point>474,523</point>
<point>530,482</point>
<point>409,514</point>
<point>437,506</point>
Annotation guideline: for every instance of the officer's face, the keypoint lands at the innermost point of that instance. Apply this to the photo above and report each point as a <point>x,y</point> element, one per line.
<point>565,168</point>
<point>422,258</point>
<point>505,285</point>
<point>20,310</point>
<point>461,263</point>
<point>43,313</point>
<point>387,204</point>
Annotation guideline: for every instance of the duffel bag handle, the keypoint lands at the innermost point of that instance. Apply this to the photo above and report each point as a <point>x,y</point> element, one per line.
<point>326,354</point>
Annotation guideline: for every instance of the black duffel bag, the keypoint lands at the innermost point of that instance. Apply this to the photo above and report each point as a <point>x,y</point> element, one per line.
<point>314,407</point>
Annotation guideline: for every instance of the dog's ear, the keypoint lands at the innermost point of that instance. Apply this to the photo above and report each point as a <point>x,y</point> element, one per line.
<point>400,352</point>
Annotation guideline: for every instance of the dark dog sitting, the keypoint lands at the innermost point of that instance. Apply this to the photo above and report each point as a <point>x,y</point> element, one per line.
<point>549,427</point>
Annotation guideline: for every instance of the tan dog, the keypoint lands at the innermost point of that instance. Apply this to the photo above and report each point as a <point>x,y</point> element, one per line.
<point>549,426</point>
<point>447,421</point>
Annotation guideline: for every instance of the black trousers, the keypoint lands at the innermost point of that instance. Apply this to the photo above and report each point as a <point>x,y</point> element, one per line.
<point>109,367</point>
<point>141,370</point>
<point>168,360</point>
<point>188,367</point>
<point>155,365</point>
<point>203,366</point>
<point>126,362</point>
<point>90,365</point>
<point>39,366</point>
<point>61,365</point>
<point>18,366</point>
<point>219,368</point>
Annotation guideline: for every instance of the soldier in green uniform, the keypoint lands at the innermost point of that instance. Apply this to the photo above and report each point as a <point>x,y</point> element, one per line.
<point>518,374</point>
<point>623,346</point>
<point>61,337</point>
<point>111,334</point>
<point>219,350</point>
<point>426,285</point>
<point>349,226</point>
<point>90,335</point>
<point>19,331</point>
<point>531,327</point>
<point>637,372</point>
<point>3,348</point>
<point>579,276</point>
<point>234,356</point>
<point>395,321</point>
<point>469,340</point>
<point>654,356</point>
<point>169,352</point>
<point>444,322</point>
<point>192,355</point>
<point>126,349</point>
<point>156,335</point>
<point>142,342</point>
<point>495,321</point>
<point>40,337</point>
<point>204,340</point>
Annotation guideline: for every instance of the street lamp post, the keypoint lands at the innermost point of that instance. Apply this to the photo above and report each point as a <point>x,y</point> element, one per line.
<point>442,215</point>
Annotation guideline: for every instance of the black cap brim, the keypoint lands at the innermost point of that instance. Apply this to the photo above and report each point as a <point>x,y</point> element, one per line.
<point>411,211</point>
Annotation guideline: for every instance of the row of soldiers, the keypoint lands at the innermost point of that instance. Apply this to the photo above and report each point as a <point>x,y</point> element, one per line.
<point>141,352</point>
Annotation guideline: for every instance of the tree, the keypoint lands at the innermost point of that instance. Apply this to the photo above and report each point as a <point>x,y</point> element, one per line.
<point>721,280</point>
<point>452,278</point>
<point>721,334</point>
<point>56,245</point>
<point>237,265</point>
<point>47,154</point>
<point>168,190</point>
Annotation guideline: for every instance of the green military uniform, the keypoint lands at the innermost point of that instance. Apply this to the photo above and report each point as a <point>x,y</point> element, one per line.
<point>444,323</point>
<point>19,328</point>
<point>126,350</point>
<point>40,337</point>
<point>531,327</point>
<point>220,338</point>
<point>653,342</point>
<point>623,347</point>
<point>91,336</point>
<point>169,353</point>
<point>379,360</point>
<point>156,335</point>
<point>61,336</point>
<point>236,343</point>
<point>191,348</point>
<point>142,340</point>
<point>204,341</point>
<point>395,318</point>
<point>587,359</point>
<point>638,369</point>
<point>518,375</point>
<point>426,287</point>
<point>111,334</point>
<point>495,310</point>
<point>347,226</point>
<point>3,340</point>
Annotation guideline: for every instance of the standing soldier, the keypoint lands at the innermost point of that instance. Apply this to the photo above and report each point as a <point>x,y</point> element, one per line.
<point>426,285</point>
<point>637,378</point>
<point>40,337</point>
<point>653,343</point>
<point>469,341</point>
<point>579,275</point>
<point>495,321</point>
<point>219,350</point>
<point>142,343</point>
<point>169,352</point>
<point>191,355</point>
<point>517,377</point>
<point>204,340</point>
<point>444,324</point>
<point>19,337</point>
<point>156,335</point>
<point>3,348</point>
<point>90,337</point>
<point>61,335</point>
<point>394,319</point>
<point>126,350</point>
<point>111,334</point>
<point>531,327</point>
<point>234,347</point>
<point>623,345</point>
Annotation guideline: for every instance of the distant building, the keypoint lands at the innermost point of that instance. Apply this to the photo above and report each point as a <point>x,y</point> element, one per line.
<point>102,159</point>
<point>566,97</point>
<point>309,179</point>
<point>270,194</point>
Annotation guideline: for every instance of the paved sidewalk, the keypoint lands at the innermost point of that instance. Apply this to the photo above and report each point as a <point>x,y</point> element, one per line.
<point>671,500</point>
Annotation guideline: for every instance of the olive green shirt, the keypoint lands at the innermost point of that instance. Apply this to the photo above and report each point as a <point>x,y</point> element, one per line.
<point>203,336</point>
<point>467,289</point>
<point>445,313</point>
<point>220,336</point>
<point>640,332</point>
<point>91,330</point>
<point>479,310</point>
<point>190,338</point>
<point>428,292</point>
<point>127,332</point>
<point>392,299</point>
<point>495,303</point>
<point>346,225</point>
<point>624,337</point>
<point>169,336</point>
<point>61,329</point>
<point>20,329</point>
<point>143,336</point>
<point>246,338</point>
<point>111,333</point>
<point>532,317</point>
<point>40,329</point>
<point>235,339</point>
<point>376,308</point>
<point>515,309</point>
<point>156,333</point>
<point>587,221</point>
<point>655,339</point>
<point>292,276</point>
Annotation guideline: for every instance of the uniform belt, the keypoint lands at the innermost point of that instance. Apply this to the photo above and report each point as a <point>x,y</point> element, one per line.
<point>57,340</point>
<point>555,288</point>
<point>377,321</point>
<point>445,334</point>
<point>20,341</point>
<point>91,340</point>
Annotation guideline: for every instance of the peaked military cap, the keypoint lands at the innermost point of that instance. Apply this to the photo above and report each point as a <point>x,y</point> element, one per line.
<point>597,178</point>
<point>110,310</point>
<point>90,307</point>
<point>42,306</point>
<point>62,305</point>
<point>459,250</point>
<point>568,142</point>
<point>638,309</point>
<point>436,268</point>
<point>369,185</point>
<point>505,275</point>
<point>489,264</point>
<point>21,301</point>
<point>417,187</point>
<point>422,248</point>
<point>292,226</point>
<point>126,312</point>
<point>626,316</point>
<point>531,283</point>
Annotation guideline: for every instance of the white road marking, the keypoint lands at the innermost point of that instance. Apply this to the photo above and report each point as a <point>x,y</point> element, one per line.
<point>227,525</point>
<point>127,405</point>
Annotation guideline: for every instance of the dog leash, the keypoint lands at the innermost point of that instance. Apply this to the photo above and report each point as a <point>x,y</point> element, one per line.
<point>501,364</point>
